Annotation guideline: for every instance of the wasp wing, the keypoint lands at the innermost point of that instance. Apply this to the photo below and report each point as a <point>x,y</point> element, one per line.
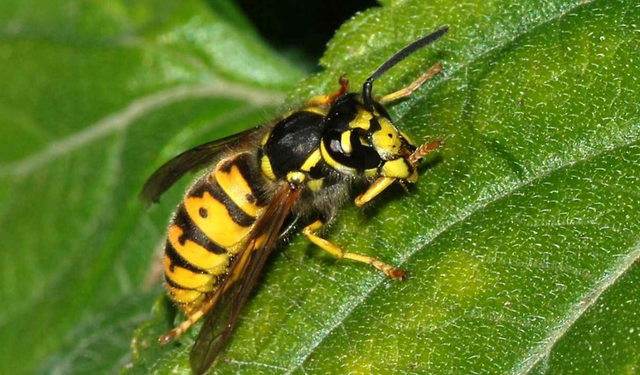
<point>191,160</point>
<point>241,278</point>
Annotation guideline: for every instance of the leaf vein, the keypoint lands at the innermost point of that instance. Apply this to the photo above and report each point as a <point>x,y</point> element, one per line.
<point>542,353</point>
<point>123,119</point>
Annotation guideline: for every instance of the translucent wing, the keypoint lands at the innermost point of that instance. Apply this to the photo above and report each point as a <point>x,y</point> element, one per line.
<point>240,280</point>
<point>191,160</point>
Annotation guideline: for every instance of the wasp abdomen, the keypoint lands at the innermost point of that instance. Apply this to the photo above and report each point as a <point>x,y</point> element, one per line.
<point>210,226</point>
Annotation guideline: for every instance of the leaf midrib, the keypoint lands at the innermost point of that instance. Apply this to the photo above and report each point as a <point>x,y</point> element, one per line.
<point>123,118</point>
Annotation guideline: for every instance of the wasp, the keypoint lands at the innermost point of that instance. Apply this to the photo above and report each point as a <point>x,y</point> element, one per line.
<point>300,165</point>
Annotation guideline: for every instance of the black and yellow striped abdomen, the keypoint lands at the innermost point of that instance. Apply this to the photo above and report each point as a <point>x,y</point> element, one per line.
<point>210,226</point>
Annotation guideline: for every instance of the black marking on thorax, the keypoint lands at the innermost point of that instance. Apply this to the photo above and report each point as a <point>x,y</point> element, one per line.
<point>342,112</point>
<point>292,140</point>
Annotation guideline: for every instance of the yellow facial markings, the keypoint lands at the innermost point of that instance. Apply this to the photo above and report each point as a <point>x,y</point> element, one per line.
<point>265,165</point>
<point>184,277</point>
<point>345,142</point>
<point>334,164</point>
<point>312,160</point>
<point>237,188</point>
<point>196,254</point>
<point>218,225</point>
<point>386,140</point>
<point>362,120</point>
<point>315,185</point>
<point>398,168</point>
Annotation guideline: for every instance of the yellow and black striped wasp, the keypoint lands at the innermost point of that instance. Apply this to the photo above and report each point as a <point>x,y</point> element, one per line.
<point>302,164</point>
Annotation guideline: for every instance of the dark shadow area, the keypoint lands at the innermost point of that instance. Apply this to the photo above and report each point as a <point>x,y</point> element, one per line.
<point>301,29</point>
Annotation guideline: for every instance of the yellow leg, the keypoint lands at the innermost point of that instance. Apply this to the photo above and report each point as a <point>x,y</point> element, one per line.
<point>194,316</point>
<point>376,188</point>
<point>435,69</point>
<point>309,232</point>
<point>382,183</point>
<point>324,100</point>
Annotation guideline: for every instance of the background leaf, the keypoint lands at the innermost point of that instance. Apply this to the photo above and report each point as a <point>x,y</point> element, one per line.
<point>521,239</point>
<point>96,95</point>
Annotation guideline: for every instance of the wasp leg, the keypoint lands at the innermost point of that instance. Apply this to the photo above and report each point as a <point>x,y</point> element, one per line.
<point>325,100</point>
<point>376,188</point>
<point>382,183</point>
<point>435,69</point>
<point>194,316</point>
<point>309,232</point>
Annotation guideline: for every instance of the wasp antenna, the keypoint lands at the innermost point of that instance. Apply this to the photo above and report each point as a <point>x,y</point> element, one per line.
<point>395,59</point>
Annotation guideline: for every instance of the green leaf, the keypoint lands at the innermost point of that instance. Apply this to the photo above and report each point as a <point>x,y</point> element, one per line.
<point>606,338</point>
<point>519,225</point>
<point>95,96</point>
<point>521,240</point>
